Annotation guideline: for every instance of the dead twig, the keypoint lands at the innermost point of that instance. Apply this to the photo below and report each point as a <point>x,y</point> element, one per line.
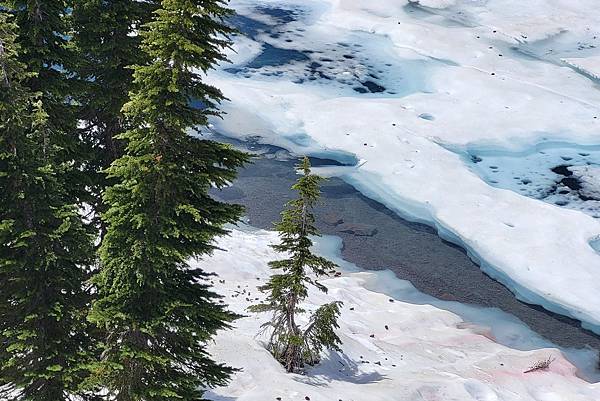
<point>541,365</point>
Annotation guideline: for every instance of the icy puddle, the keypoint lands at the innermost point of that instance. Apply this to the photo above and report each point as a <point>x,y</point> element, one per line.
<point>343,67</point>
<point>563,174</point>
<point>375,238</point>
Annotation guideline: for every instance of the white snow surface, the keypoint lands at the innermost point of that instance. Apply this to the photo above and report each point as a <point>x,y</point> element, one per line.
<point>477,91</point>
<point>424,353</point>
<point>587,65</point>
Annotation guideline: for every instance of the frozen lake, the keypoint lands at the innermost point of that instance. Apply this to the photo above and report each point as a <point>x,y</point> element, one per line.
<point>402,92</point>
<point>375,238</point>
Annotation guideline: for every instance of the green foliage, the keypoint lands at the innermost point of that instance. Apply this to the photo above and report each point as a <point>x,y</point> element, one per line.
<point>45,249</point>
<point>107,45</point>
<point>43,34</point>
<point>288,343</point>
<point>158,312</point>
<point>320,333</point>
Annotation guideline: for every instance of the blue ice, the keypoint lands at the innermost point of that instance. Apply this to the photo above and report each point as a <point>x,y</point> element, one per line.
<point>358,63</point>
<point>539,172</point>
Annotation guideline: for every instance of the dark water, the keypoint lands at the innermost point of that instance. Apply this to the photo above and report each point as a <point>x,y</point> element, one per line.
<point>275,56</point>
<point>375,238</point>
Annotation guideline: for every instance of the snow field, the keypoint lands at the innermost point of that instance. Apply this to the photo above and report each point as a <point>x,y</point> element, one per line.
<point>392,350</point>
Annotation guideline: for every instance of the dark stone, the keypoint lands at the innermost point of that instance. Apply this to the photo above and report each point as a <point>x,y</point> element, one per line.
<point>476,159</point>
<point>361,230</point>
<point>373,87</point>
<point>571,182</point>
<point>332,219</point>
<point>562,170</point>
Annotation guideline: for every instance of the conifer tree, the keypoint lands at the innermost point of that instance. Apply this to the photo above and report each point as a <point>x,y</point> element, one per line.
<point>157,310</point>
<point>105,35</point>
<point>44,247</point>
<point>290,344</point>
<point>45,49</point>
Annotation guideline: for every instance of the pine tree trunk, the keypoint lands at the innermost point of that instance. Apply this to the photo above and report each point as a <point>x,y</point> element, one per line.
<point>292,355</point>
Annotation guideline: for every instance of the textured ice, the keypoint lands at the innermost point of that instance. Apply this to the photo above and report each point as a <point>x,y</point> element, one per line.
<point>559,173</point>
<point>344,65</point>
<point>589,66</point>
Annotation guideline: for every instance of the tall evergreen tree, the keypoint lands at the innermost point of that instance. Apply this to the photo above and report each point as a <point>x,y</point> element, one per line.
<point>45,49</point>
<point>44,247</point>
<point>157,310</point>
<point>105,35</point>
<point>289,343</point>
<point>43,40</point>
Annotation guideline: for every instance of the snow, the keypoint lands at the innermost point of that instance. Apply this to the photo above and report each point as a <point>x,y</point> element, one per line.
<point>425,353</point>
<point>587,65</point>
<point>434,3</point>
<point>242,51</point>
<point>590,180</point>
<point>493,79</point>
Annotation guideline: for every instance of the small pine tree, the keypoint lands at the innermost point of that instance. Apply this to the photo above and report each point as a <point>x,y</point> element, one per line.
<point>158,312</point>
<point>44,247</point>
<point>289,343</point>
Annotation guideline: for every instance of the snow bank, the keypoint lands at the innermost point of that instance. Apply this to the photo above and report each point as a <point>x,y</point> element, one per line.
<point>478,92</point>
<point>587,65</point>
<point>392,350</point>
<point>433,3</point>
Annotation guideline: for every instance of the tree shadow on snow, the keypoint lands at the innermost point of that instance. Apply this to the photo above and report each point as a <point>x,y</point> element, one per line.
<point>338,367</point>
<point>209,395</point>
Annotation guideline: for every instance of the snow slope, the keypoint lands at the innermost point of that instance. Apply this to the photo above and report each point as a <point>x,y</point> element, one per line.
<point>392,350</point>
<point>490,81</point>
